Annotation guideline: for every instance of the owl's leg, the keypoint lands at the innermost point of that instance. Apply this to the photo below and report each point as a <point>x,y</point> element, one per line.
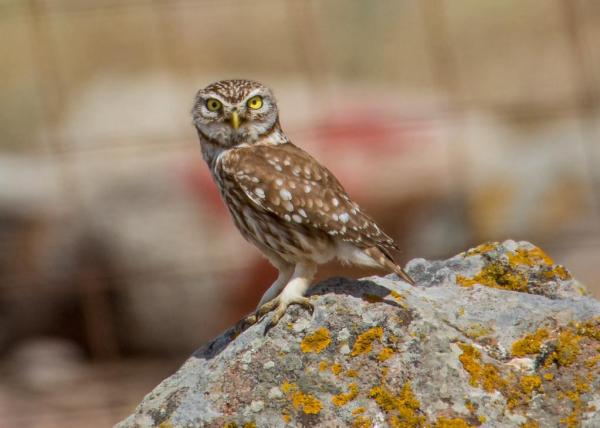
<point>292,294</point>
<point>285,273</point>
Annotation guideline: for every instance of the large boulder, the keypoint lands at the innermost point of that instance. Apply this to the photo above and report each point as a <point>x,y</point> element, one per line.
<point>498,336</point>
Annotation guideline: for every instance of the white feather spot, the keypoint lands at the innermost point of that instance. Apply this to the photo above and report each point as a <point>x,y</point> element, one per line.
<point>335,202</point>
<point>344,217</point>
<point>335,216</point>
<point>259,192</point>
<point>279,182</point>
<point>285,195</point>
<point>278,168</point>
<point>297,218</point>
<point>296,171</point>
<point>288,206</point>
<point>302,213</point>
<point>254,179</point>
<point>292,185</point>
<point>307,188</point>
<point>287,217</point>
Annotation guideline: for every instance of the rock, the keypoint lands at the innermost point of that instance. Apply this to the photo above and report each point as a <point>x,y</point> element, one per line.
<point>496,336</point>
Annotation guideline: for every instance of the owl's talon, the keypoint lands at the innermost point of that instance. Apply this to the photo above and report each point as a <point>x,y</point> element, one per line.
<point>282,307</point>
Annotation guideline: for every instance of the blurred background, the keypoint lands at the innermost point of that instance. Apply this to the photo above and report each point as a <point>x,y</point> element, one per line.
<point>451,122</point>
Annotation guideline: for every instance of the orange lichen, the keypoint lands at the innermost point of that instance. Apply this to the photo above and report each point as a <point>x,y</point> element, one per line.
<point>249,425</point>
<point>364,341</point>
<point>574,418</point>
<point>530,257</point>
<point>530,344</point>
<point>530,383</point>
<point>511,273</point>
<point>548,376</point>
<point>567,348</point>
<point>352,373</point>
<point>358,411</point>
<point>361,422</point>
<point>530,424</point>
<point>343,398</point>
<point>496,275</point>
<point>308,403</point>
<point>403,408</point>
<point>336,369</point>
<point>385,354</point>
<point>287,387</point>
<point>443,422</point>
<point>316,342</point>
<point>485,375</point>
<point>286,417</point>
<point>590,328</point>
<point>592,361</point>
<point>483,248</point>
<point>323,365</point>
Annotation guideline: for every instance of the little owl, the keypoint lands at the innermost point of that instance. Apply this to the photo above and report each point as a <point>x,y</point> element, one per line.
<point>281,199</point>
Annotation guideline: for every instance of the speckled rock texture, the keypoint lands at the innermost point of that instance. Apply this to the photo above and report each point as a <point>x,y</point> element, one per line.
<point>498,336</point>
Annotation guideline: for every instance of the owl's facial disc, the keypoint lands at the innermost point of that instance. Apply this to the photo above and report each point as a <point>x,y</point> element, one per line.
<point>229,119</point>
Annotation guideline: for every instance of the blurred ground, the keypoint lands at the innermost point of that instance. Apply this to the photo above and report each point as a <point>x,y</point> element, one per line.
<point>452,123</point>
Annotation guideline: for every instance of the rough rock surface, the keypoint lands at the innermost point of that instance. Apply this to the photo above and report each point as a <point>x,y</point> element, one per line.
<point>498,336</point>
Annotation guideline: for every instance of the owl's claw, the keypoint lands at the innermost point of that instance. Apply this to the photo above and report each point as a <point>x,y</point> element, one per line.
<point>279,306</point>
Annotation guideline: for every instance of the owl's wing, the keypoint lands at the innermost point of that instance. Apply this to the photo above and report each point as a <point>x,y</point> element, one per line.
<point>287,182</point>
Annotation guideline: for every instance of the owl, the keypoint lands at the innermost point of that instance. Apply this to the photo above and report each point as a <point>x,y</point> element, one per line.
<point>281,199</point>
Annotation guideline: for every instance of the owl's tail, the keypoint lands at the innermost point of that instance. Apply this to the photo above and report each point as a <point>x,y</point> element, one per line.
<point>386,261</point>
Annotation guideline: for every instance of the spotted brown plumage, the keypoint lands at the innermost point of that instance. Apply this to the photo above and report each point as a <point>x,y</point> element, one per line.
<point>281,199</point>
<point>288,183</point>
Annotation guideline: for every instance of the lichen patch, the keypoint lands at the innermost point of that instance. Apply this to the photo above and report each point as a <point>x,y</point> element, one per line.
<point>316,342</point>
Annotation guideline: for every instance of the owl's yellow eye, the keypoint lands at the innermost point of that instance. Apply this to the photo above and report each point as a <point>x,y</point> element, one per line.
<point>213,104</point>
<point>255,102</point>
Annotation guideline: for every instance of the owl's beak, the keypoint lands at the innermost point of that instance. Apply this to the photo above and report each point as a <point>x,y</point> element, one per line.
<point>235,120</point>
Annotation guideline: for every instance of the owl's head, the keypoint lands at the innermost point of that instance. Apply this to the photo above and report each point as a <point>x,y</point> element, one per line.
<point>232,112</point>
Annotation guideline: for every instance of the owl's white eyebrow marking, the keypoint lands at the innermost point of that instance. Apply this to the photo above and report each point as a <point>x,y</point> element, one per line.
<point>285,195</point>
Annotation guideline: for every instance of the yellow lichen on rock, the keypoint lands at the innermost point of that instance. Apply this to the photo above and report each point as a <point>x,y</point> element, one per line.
<point>308,403</point>
<point>485,375</point>
<point>512,271</point>
<point>316,342</point>
<point>362,422</point>
<point>567,348</point>
<point>496,275</point>
<point>530,257</point>
<point>336,369</point>
<point>343,398</point>
<point>385,354</point>
<point>530,424</point>
<point>530,344</point>
<point>482,248</point>
<point>443,422</point>
<point>364,342</point>
<point>403,409</point>
<point>573,420</point>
